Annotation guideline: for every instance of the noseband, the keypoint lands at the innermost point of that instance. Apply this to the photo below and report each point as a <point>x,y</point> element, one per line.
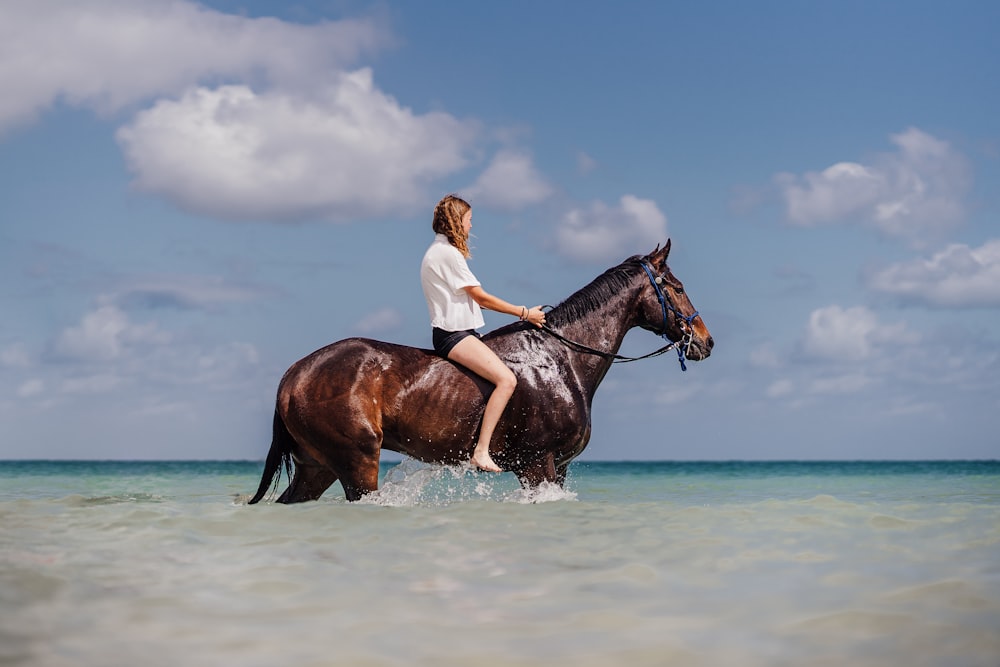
<point>681,346</point>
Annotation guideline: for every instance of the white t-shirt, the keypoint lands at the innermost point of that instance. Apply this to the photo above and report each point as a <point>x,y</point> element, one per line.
<point>444,274</point>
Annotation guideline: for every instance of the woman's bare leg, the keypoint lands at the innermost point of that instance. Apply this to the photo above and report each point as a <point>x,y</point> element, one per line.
<point>481,360</point>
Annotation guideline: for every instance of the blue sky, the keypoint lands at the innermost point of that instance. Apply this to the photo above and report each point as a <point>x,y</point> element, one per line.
<point>193,196</point>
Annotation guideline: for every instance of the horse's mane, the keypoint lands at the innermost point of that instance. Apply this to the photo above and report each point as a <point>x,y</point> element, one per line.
<point>593,296</point>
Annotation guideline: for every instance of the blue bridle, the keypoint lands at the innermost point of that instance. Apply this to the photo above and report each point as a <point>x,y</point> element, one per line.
<point>665,305</point>
<point>681,346</point>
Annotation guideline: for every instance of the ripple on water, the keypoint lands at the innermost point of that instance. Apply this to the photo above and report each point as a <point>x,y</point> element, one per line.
<point>91,501</point>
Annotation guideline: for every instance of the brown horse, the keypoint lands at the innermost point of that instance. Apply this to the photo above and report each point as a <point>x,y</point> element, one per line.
<point>340,406</point>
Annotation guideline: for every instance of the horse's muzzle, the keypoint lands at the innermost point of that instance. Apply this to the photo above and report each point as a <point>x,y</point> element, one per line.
<point>700,346</point>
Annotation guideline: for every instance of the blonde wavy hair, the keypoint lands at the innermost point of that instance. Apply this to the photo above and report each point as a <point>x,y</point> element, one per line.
<point>448,221</point>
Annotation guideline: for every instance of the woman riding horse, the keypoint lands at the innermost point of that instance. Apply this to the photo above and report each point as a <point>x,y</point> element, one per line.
<point>454,297</point>
<point>340,406</point>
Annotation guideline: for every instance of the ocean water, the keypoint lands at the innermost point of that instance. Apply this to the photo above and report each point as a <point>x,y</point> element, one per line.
<point>688,564</point>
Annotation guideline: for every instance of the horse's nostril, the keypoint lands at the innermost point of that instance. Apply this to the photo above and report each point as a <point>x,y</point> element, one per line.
<point>711,342</point>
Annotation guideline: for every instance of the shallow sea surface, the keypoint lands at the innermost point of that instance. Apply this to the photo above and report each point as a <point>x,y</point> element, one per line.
<point>714,564</point>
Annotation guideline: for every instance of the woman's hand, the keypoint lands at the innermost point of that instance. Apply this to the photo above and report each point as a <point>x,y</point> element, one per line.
<point>536,316</point>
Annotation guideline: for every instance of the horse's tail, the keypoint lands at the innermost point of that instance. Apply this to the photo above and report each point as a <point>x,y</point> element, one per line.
<point>279,454</point>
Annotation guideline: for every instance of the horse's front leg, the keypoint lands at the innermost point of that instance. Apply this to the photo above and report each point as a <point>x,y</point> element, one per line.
<point>541,470</point>
<point>361,479</point>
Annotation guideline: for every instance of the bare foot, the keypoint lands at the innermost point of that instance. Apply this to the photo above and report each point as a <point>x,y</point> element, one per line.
<point>483,461</point>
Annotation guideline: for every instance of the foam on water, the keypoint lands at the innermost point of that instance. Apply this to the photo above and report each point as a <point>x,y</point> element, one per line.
<point>546,492</point>
<point>412,483</point>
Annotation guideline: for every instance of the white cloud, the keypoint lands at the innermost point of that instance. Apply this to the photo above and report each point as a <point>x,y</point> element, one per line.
<point>915,191</point>
<point>100,383</point>
<point>293,135</point>
<point>956,277</point>
<point>220,367</point>
<point>15,355</point>
<point>675,395</point>
<point>109,352</point>
<point>584,163</point>
<point>104,335</point>
<point>108,54</point>
<point>386,319</point>
<point>348,151</point>
<point>779,388</point>
<point>510,182</point>
<point>603,234</point>
<point>248,118</point>
<point>850,383</point>
<point>851,334</point>
<point>185,292</point>
<point>764,356</point>
<point>32,387</point>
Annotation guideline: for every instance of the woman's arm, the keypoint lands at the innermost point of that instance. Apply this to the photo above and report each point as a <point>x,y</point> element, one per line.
<point>486,300</point>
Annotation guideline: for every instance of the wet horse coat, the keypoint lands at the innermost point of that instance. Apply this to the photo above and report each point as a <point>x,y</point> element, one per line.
<point>340,406</point>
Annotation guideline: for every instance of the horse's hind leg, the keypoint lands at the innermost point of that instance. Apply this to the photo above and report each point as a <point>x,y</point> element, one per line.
<point>561,473</point>
<point>308,483</point>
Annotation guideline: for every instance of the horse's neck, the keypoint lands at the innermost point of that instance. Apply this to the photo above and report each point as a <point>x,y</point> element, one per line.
<point>603,329</point>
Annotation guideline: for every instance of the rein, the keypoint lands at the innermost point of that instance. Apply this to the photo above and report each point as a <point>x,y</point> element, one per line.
<point>615,358</point>
<point>681,345</point>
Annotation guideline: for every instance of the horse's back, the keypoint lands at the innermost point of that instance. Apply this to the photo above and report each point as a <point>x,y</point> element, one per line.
<point>353,354</point>
<point>350,360</point>
<point>390,373</point>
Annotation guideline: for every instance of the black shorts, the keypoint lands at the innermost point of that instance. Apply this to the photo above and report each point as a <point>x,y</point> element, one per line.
<point>444,341</point>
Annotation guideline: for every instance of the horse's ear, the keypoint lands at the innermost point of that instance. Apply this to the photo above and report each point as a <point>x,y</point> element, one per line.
<point>659,255</point>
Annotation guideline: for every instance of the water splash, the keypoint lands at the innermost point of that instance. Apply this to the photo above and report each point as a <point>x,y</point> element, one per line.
<point>546,492</point>
<point>413,483</point>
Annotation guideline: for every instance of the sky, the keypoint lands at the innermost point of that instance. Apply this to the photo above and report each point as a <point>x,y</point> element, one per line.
<point>195,195</point>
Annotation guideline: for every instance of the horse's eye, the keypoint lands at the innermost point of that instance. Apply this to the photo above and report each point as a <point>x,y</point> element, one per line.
<point>679,290</point>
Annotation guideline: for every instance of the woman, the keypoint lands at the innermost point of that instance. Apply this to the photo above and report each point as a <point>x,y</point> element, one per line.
<point>454,297</point>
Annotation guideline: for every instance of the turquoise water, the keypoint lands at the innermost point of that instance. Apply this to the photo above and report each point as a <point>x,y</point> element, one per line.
<point>789,563</point>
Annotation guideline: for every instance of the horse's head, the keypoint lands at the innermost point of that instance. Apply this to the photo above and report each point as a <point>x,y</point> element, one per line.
<point>665,308</point>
